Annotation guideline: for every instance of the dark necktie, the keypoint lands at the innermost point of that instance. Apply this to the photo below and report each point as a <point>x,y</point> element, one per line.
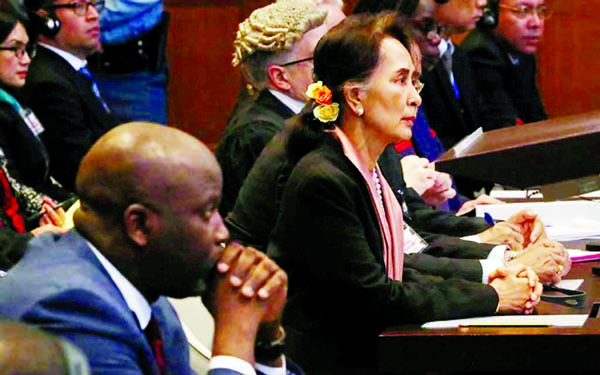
<point>84,70</point>
<point>155,340</point>
<point>447,61</point>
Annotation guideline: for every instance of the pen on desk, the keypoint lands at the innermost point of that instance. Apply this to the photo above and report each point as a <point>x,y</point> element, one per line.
<point>488,219</point>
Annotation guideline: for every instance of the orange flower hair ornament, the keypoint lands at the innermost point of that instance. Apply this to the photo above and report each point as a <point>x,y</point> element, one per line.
<point>325,111</point>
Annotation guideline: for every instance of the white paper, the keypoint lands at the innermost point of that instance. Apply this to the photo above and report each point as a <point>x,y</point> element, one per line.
<point>515,194</point>
<point>572,284</point>
<point>576,320</point>
<point>564,220</point>
<point>532,194</point>
<point>550,212</point>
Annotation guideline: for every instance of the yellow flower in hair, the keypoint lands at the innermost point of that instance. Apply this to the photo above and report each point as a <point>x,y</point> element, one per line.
<point>327,112</point>
<point>320,93</point>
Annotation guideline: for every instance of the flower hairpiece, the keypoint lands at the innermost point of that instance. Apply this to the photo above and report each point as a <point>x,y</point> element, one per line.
<point>325,111</point>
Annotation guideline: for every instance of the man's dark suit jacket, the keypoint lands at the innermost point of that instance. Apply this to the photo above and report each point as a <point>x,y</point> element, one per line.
<point>74,118</point>
<point>246,135</point>
<point>508,91</point>
<point>26,157</point>
<point>451,119</point>
<point>328,239</point>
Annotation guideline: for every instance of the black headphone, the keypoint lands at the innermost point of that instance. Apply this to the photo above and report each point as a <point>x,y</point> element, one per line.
<point>45,24</point>
<point>490,15</point>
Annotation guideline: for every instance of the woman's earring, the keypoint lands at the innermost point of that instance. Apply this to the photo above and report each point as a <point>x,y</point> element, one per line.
<point>360,111</point>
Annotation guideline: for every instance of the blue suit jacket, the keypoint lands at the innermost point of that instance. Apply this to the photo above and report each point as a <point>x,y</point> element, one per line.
<point>61,286</point>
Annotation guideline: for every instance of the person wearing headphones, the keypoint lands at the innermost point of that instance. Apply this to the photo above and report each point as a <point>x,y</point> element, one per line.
<point>60,88</point>
<point>502,54</point>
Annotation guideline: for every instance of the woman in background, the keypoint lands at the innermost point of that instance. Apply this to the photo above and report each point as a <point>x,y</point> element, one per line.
<point>25,185</point>
<point>26,158</point>
<point>339,231</point>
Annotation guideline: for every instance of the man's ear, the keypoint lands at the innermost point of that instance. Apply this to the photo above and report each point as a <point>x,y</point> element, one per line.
<point>140,222</point>
<point>354,96</point>
<point>278,77</point>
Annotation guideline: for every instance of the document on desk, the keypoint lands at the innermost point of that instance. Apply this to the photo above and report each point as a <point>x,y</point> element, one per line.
<point>550,212</point>
<point>576,229</point>
<point>571,284</point>
<point>511,321</point>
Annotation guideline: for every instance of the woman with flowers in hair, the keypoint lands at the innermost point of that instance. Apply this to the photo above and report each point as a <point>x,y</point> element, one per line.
<point>339,231</point>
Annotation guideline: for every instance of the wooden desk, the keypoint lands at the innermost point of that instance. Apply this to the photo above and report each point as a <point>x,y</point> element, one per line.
<point>411,348</point>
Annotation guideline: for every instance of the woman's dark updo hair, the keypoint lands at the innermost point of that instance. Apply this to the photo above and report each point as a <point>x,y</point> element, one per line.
<point>349,52</point>
<point>11,12</point>
<point>8,22</point>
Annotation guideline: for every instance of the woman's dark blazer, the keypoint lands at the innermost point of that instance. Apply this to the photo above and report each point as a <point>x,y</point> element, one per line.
<point>328,240</point>
<point>26,156</point>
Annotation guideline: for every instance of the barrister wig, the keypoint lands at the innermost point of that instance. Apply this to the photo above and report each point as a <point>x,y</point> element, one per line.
<point>270,32</point>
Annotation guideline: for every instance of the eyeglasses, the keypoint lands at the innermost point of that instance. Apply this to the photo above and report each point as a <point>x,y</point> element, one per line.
<point>20,50</point>
<point>523,12</point>
<point>80,8</point>
<point>418,85</point>
<point>296,61</point>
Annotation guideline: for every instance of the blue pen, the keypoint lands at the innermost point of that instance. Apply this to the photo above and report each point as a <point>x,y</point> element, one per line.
<point>488,219</point>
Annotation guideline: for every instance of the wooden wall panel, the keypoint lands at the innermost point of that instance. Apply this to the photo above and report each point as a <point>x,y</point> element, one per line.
<point>202,83</point>
<point>201,80</point>
<point>569,58</point>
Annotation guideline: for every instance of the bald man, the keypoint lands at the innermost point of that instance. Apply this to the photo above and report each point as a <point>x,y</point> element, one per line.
<point>53,356</point>
<point>148,227</point>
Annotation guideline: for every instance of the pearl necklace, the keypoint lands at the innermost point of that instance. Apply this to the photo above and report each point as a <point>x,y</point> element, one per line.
<point>377,185</point>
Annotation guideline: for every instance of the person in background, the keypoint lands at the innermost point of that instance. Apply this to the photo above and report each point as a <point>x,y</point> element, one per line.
<point>138,237</point>
<point>60,89</point>
<point>23,152</point>
<point>281,71</point>
<point>449,96</point>
<point>437,189</point>
<point>131,68</point>
<point>338,232</point>
<point>502,53</point>
<point>28,350</point>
